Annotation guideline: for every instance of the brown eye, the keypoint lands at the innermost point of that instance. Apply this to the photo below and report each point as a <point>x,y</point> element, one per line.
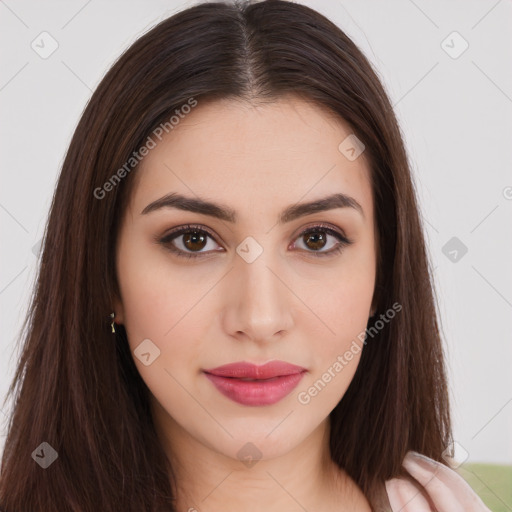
<point>316,238</point>
<point>189,242</point>
<point>315,241</point>
<point>194,241</point>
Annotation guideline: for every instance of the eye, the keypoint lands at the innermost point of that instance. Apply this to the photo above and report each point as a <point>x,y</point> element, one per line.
<point>193,241</point>
<point>188,238</point>
<point>316,238</point>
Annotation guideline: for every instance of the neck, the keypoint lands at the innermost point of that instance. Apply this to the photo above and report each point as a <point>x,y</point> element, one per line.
<point>303,478</point>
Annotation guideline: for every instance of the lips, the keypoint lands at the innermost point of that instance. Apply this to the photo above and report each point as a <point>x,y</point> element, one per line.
<point>245,370</point>
<point>249,384</point>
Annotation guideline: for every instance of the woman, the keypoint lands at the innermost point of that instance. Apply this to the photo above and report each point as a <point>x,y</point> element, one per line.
<point>234,307</point>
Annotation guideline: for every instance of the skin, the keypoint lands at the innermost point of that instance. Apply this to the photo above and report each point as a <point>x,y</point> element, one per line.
<point>287,305</point>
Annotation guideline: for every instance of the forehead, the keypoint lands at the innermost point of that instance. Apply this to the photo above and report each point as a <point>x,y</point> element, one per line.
<point>253,155</point>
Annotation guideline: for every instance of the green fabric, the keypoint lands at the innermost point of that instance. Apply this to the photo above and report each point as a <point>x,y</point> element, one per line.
<point>491,482</point>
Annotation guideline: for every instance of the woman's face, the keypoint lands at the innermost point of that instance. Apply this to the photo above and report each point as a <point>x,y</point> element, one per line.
<point>256,288</point>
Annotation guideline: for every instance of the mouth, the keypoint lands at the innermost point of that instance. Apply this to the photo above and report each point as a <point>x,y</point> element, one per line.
<point>253,385</point>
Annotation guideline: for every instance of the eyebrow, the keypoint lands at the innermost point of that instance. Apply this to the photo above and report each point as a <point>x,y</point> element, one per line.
<point>222,212</point>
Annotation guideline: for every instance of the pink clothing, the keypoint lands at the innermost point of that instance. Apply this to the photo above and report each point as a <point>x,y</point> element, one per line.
<point>435,487</point>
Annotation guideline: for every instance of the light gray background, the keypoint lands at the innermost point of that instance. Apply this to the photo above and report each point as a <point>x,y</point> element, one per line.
<point>455,114</point>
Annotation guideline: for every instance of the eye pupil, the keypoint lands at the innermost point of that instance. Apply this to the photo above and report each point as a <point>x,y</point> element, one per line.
<point>194,238</point>
<point>316,238</point>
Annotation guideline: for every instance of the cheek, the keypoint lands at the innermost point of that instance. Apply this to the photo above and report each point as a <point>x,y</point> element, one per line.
<point>345,301</point>
<point>336,345</point>
<point>159,303</point>
<point>155,294</point>
<point>154,311</point>
<point>337,333</point>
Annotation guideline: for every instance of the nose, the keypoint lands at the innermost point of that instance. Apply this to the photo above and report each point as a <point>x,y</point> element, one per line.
<point>259,302</point>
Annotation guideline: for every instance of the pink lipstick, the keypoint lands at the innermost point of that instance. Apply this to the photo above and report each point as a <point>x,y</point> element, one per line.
<point>250,384</point>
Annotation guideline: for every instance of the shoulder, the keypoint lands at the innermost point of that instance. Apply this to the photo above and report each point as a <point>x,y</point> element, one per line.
<point>432,486</point>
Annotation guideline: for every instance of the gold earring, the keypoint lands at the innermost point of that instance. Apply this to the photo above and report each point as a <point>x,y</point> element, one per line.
<point>112,315</point>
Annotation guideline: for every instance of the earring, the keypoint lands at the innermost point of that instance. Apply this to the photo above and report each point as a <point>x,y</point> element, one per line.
<point>112,315</point>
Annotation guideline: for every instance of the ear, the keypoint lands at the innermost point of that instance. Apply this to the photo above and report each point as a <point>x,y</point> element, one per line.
<point>117,307</point>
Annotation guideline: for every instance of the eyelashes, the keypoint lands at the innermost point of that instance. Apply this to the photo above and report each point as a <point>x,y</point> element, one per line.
<point>194,234</point>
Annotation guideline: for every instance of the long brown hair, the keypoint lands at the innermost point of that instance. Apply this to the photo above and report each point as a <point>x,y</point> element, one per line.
<point>76,386</point>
